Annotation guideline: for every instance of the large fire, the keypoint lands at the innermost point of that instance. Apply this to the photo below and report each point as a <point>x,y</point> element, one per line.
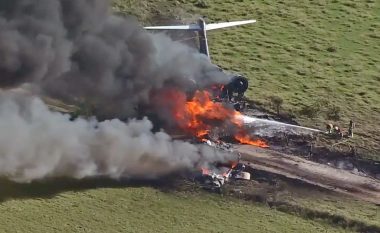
<point>199,115</point>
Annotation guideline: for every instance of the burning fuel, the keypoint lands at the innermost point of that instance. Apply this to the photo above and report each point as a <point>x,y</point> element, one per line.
<point>200,115</point>
<point>244,138</point>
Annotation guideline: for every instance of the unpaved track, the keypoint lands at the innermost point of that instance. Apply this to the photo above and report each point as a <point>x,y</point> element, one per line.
<point>293,167</point>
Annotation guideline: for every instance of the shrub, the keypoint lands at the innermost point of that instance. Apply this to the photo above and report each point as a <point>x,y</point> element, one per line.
<point>201,4</point>
<point>333,112</point>
<point>332,49</point>
<point>311,111</point>
<point>276,102</point>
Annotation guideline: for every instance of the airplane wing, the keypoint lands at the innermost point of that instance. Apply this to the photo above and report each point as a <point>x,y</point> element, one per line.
<point>213,26</point>
<point>191,27</point>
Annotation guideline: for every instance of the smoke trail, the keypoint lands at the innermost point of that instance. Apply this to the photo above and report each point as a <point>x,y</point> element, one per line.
<point>36,143</point>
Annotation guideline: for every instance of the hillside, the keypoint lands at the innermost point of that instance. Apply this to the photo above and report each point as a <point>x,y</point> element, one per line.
<point>322,57</point>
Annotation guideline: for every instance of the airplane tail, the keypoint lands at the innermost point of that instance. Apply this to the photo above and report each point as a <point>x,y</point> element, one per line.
<point>198,27</point>
<point>201,28</point>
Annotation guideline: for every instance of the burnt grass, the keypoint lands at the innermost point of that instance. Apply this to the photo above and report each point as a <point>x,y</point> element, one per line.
<point>312,149</point>
<point>320,148</point>
<point>273,191</point>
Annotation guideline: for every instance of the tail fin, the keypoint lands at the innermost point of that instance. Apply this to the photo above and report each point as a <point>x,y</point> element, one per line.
<point>201,28</point>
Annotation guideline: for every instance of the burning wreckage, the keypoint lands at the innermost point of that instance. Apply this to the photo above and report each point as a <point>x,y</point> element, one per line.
<point>207,115</point>
<point>125,75</point>
<point>137,83</point>
<point>212,115</point>
<point>214,177</point>
<point>204,117</point>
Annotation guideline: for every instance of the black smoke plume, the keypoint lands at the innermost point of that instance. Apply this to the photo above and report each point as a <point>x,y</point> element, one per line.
<point>77,50</point>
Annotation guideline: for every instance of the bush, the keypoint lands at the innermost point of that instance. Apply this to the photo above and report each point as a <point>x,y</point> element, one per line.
<point>201,4</point>
<point>311,111</point>
<point>276,102</point>
<point>333,113</point>
<point>332,49</point>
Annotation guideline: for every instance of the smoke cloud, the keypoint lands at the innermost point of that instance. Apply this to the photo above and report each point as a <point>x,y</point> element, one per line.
<point>36,143</point>
<point>77,50</point>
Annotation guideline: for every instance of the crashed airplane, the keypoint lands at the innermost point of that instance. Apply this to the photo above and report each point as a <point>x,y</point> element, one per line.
<point>213,177</point>
<point>217,108</point>
<point>235,89</point>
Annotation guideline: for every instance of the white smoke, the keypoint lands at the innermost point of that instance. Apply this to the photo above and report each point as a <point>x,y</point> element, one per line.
<point>36,143</point>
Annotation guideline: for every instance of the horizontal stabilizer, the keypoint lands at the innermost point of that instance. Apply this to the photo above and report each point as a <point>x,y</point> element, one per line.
<point>229,24</point>
<point>191,27</point>
<point>197,27</point>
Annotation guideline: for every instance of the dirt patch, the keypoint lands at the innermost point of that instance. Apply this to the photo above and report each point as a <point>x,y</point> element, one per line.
<point>321,175</point>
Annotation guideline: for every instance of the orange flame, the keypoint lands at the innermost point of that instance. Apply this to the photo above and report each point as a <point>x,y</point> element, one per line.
<point>234,164</point>
<point>245,139</point>
<point>199,115</point>
<point>196,114</point>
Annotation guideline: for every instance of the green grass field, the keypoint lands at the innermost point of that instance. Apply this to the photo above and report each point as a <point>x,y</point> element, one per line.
<point>105,206</point>
<point>314,54</point>
<point>146,210</point>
